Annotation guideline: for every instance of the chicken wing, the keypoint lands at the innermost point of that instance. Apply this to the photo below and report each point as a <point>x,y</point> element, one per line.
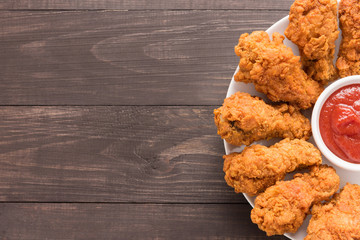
<point>284,206</point>
<point>257,167</point>
<point>348,62</point>
<point>339,218</point>
<point>313,28</point>
<point>275,70</point>
<point>243,119</point>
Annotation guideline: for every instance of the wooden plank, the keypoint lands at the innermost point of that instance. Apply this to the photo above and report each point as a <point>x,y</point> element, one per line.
<point>112,154</point>
<point>147,5</point>
<point>121,57</point>
<point>128,221</point>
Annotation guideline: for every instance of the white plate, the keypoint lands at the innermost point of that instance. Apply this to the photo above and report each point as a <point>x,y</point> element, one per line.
<point>346,176</point>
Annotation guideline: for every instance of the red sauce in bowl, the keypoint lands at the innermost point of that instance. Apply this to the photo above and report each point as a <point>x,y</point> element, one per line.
<point>340,123</point>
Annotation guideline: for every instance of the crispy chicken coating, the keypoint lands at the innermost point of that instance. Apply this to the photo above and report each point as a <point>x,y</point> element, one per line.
<point>257,167</point>
<point>348,62</point>
<point>339,218</point>
<point>243,119</point>
<point>275,70</point>
<point>283,207</point>
<point>313,28</point>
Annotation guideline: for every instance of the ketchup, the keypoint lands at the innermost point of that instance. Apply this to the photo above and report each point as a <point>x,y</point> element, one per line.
<point>340,123</point>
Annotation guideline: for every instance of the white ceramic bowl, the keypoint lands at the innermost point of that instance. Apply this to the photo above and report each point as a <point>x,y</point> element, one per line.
<point>315,122</point>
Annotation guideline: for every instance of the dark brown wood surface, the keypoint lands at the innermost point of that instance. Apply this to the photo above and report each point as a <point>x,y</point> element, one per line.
<point>146,4</point>
<point>106,118</point>
<point>122,58</point>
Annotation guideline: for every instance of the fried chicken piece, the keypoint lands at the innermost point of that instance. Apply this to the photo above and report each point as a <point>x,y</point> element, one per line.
<point>275,70</point>
<point>313,28</point>
<point>337,219</point>
<point>258,167</point>
<point>283,207</point>
<point>348,62</point>
<point>243,119</point>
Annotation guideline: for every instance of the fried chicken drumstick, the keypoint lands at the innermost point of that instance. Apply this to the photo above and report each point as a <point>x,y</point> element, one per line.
<point>313,28</point>
<point>275,70</point>
<point>283,207</point>
<point>243,119</point>
<point>257,167</point>
<point>348,62</point>
<point>339,218</point>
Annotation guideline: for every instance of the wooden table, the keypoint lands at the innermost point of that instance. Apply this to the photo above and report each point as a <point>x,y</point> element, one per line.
<point>106,118</point>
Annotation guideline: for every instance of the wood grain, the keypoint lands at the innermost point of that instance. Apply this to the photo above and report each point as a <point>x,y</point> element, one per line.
<point>146,4</point>
<point>120,57</point>
<point>128,221</point>
<point>112,154</point>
